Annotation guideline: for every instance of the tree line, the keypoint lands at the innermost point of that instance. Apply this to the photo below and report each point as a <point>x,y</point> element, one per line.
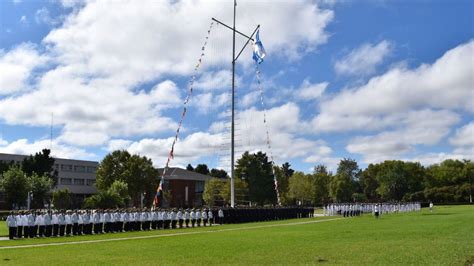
<point>123,179</point>
<point>390,180</point>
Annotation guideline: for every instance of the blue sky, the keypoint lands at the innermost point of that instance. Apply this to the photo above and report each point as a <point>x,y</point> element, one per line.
<point>369,80</point>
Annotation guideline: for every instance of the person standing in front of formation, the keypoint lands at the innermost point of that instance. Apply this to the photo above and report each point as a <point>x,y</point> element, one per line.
<point>431,206</point>
<point>12,227</point>
<point>376,211</point>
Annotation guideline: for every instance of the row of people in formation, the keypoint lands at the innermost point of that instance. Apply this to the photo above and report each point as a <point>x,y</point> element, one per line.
<point>54,223</point>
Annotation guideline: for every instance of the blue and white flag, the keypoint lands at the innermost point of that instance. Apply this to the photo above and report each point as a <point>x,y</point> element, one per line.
<point>258,50</point>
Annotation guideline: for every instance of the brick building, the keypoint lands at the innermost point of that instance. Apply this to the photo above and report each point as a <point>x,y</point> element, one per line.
<point>186,187</point>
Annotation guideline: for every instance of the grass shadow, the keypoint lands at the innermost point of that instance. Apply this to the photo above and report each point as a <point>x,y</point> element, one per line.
<point>441,213</point>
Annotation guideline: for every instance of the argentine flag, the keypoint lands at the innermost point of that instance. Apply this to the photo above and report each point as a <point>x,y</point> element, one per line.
<point>258,51</point>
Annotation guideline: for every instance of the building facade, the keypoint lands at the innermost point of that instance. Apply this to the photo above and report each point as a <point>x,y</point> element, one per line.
<point>185,187</point>
<point>77,176</point>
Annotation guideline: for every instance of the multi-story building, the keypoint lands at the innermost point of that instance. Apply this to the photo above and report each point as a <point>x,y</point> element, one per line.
<point>76,175</point>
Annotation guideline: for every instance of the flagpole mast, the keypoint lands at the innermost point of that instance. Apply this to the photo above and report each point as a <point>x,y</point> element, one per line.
<point>234,59</point>
<point>232,192</point>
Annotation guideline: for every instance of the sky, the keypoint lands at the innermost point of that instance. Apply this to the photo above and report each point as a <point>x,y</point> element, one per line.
<point>370,80</point>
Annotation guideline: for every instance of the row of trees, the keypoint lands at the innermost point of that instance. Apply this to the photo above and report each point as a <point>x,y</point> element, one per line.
<point>449,181</point>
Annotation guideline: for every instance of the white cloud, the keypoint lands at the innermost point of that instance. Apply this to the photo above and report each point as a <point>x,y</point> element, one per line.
<point>364,59</point>
<point>218,80</point>
<point>16,66</point>
<point>464,136</point>
<point>309,91</point>
<point>424,127</point>
<point>118,144</point>
<point>93,82</point>
<point>17,1</point>
<point>43,16</point>
<point>445,84</point>
<point>59,150</point>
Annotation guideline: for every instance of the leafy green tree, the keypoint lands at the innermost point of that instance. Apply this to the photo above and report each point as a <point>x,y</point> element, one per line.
<point>15,186</point>
<point>213,190</point>
<point>343,184</point>
<point>4,166</point>
<point>321,179</point>
<point>189,167</point>
<point>241,192</point>
<point>301,188</point>
<point>202,169</point>
<point>257,171</point>
<point>219,173</point>
<point>61,199</point>
<point>393,183</point>
<point>40,186</point>
<point>368,181</point>
<point>120,188</point>
<point>104,200</point>
<point>42,164</point>
<point>136,171</point>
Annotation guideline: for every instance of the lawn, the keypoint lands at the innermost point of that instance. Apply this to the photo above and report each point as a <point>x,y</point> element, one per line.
<point>445,236</point>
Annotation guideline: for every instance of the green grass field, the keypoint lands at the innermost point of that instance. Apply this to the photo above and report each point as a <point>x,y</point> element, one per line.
<point>443,237</point>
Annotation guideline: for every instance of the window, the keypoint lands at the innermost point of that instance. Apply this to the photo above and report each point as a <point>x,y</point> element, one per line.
<point>79,168</point>
<point>79,181</point>
<point>91,169</point>
<point>90,182</point>
<point>199,186</point>
<point>66,167</point>
<point>66,181</point>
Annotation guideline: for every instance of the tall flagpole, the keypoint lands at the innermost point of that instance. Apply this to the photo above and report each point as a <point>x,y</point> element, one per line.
<point>232,192</point>
<point>234,59</point>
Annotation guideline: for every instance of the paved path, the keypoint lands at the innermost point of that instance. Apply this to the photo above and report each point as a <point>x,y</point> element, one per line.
<point>167,235</point>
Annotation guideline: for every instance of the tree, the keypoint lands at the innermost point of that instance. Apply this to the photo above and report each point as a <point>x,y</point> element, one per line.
<point>257,171</point>
<point>202,169</point>
<point>213,191</point>
<point>368,181</point>
<point>241,192</point>
<point>4,166</point>
<point>301,188</point>
<point>219,173</point>
<point>343,184</point>
<point>392,179</point>
<point>341,188</point>
<point>190,167</point>
<point>321,179</point>
<point>120,188</point>
<point>104,200</point>
<point>40,186</point>
<point>135,171</point>
<point>42,164</point>
<point>61,199</point>
<point>15,186</point>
